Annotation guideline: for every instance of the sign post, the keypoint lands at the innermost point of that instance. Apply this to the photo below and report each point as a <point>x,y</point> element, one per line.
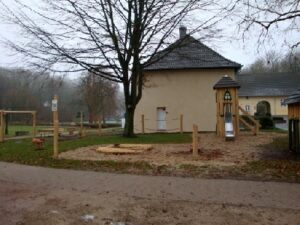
<point>55,126</point>
<point>34,124</point>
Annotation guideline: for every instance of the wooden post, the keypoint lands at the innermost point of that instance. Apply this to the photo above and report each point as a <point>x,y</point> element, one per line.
<point>100,126</point>
<point>55,125</point>
<point>181,123</point>
<point>256,127</point>
<point>143,124</point>
<point>1,127</point>
<point>195,140</point>
<point>34,124</point>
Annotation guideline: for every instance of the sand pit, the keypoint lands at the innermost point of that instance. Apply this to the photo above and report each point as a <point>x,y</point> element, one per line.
<point>214,151</point>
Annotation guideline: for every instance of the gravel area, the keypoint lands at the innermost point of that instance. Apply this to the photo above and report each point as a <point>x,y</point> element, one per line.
<point>213,151</point>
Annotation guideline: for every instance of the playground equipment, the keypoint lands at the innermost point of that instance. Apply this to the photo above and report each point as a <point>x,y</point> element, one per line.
<point>227,107</point>
<point>39,142</point>
<point>293,102</point>
<point>228,117</point>
<point>2,121</point>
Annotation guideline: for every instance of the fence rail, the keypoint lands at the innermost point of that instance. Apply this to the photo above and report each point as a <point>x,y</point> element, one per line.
<point>144,128</point>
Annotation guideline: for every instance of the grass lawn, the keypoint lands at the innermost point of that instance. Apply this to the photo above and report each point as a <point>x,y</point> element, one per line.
<point>22,151</point>
<point>275,130</point>
<point>13,128</point>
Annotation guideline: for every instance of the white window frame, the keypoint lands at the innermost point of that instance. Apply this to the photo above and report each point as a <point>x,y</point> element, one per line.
<point>248,108</point>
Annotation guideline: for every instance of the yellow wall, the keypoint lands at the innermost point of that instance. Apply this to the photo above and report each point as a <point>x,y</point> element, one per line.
<point>187,92</point>
<point>275,102</point>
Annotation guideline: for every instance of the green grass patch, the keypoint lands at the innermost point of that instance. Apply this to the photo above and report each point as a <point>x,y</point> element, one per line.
<point>23,151</point>
<point>275,130</point>
<point>13,128</point>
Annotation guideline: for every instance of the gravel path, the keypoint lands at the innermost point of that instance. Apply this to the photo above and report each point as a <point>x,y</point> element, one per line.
<point>33,195</point>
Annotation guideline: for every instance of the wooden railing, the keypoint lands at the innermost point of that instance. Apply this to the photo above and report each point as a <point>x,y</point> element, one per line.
<point>254,128</point>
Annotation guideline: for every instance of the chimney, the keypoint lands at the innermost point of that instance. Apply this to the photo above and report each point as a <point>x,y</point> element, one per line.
<point>182,31</point>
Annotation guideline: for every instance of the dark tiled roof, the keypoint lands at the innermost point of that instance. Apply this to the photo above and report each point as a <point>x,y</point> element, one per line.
<point>268,84</point>
<point>189,53</point>
<point>293,98</point>
<point>226,82</point>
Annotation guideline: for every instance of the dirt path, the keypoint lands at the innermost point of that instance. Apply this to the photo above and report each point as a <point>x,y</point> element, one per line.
<point>34,196</point>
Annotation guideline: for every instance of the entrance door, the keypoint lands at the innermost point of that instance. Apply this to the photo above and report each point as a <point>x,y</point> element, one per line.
<point>161,119</point>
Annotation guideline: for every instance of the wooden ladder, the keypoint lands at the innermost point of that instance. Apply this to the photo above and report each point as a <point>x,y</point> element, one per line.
<point>254,128</point>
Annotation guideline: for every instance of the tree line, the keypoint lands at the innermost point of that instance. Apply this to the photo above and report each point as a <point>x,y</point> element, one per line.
<point>29,90</point>
<point>273,62</point>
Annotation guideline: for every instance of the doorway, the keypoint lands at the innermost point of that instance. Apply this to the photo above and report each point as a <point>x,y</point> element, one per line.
<point>161,119</point>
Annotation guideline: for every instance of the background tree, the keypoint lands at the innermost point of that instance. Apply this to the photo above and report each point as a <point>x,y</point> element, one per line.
<point>270,19</point>
<point>100,97</point>
<point>116,36</point>
<point>274,62</point>
<point>27,90</point>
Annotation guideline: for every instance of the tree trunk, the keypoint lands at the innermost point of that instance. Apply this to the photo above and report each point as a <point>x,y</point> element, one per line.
<point>129,123</point>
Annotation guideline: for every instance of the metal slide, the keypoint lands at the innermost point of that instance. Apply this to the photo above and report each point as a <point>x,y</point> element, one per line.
<point>229,132</point>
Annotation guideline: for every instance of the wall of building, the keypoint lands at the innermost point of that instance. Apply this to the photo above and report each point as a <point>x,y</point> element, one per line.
<point>187,92</point>
<point>277,109</point>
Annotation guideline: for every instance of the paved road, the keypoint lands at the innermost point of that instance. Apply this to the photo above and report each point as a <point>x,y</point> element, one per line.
<point>273,196</point>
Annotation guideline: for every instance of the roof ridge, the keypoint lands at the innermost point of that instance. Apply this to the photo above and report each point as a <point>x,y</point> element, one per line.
<point>216,52</point>
<point>189,53</point>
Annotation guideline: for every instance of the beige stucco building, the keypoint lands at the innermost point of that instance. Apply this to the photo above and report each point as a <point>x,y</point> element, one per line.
<point>181,83</point>
<point>268,88</point>
<point>277,108</point>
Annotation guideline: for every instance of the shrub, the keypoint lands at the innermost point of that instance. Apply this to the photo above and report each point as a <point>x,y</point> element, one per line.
<point>266,122</point>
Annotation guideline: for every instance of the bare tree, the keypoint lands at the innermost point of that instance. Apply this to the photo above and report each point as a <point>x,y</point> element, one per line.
<point>99,95</point>
<point>114,39</point>
<point>271,18</point>
<point>273,62</point>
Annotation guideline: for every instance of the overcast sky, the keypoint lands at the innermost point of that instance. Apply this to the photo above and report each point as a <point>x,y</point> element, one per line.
<point>241,51</point>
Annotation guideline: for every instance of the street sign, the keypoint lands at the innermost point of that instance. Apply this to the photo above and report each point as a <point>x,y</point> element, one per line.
<point>54,105</point>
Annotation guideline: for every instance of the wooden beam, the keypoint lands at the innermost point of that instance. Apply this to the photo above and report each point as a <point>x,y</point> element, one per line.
<point>256,126</point>
<point>249,116</point>
<point>248,125</point>
<point>19,112</point>
<point>55,129</point>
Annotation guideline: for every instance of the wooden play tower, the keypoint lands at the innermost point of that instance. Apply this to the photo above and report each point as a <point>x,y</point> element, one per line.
<point>293,102</point>
<point>227,107</point>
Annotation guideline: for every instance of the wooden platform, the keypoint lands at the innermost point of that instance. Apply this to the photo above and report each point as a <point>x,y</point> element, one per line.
<point>124,149</point>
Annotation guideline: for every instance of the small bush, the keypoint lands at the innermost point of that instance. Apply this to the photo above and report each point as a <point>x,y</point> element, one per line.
<point>268,115</point>
<point>266,122</point>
